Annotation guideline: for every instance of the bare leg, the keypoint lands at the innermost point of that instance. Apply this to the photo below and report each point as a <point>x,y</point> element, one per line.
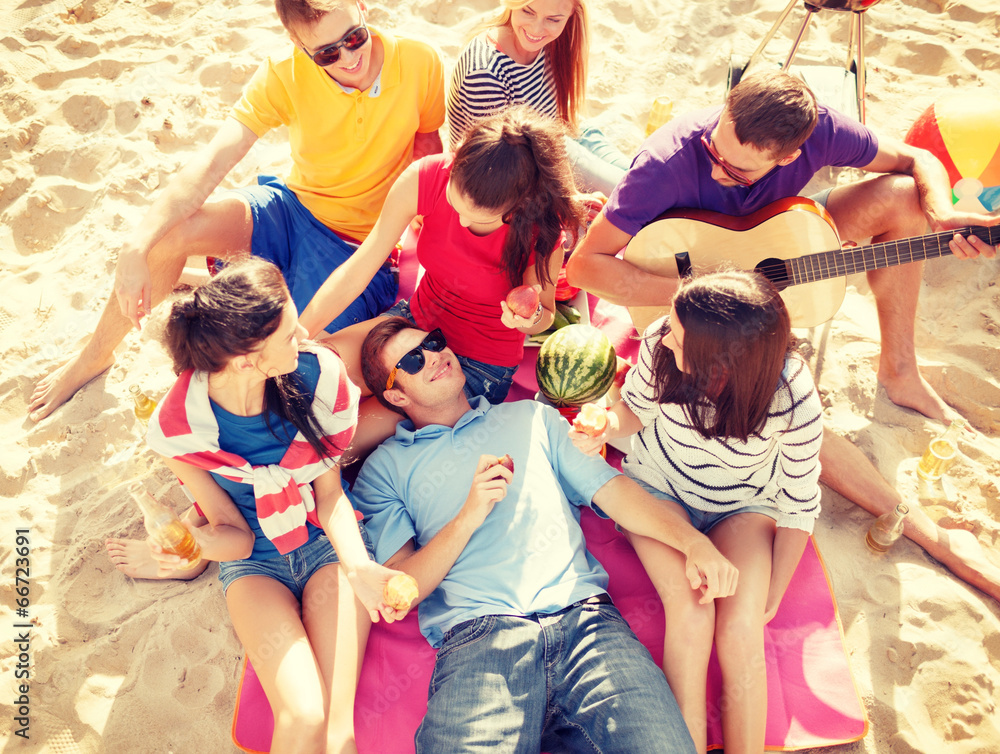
<point>687,640</point>
<point>266,618</point>
<point>887,208</point>
<point>847,471</point>
<point>328,601</point>
<point>747,540</point>
<point>220,228</point>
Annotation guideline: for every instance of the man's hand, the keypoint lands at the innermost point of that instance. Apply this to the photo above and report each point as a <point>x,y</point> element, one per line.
<point>969,247</point>
<point>710,572</point>
<point>132,285</point>
<point>489,486</point>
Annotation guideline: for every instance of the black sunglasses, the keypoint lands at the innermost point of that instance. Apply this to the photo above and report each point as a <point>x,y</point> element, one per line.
<point>413,361</point>
<point>352,40</point>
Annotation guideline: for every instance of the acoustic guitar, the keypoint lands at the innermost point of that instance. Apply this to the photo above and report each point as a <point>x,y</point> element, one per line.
<point>775,241</point>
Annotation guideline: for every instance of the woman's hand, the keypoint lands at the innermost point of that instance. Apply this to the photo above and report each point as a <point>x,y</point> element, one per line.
<point>587,441</point>
<point>516,322</point>
<point>368,581</point>
<point>592,204</point>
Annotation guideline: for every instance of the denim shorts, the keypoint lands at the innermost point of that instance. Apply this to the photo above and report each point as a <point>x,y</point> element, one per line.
<point>306,251</point>
<point>294,569</point>
<point>481,378</point>
<point>701,520</point>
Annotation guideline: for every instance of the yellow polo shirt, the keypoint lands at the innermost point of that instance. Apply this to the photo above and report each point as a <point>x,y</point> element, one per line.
<point>347,147</point>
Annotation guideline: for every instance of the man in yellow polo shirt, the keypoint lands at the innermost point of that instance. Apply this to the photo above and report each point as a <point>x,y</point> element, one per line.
<point>359,104</point>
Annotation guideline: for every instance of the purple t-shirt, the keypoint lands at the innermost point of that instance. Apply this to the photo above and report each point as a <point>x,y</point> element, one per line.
<point>673,170</point>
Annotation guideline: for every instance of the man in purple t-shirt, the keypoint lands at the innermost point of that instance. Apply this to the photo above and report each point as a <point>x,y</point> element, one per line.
<point>765,144</point>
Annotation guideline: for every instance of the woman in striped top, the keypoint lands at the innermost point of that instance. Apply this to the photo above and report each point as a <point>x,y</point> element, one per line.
<point>535,53</point>
<point>727,424</point>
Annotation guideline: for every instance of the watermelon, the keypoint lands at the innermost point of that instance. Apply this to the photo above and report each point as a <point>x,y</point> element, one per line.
<point>576,365</point>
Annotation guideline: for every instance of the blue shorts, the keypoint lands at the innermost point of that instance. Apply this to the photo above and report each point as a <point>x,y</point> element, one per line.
<point>306,251</point>
<point>294,569</point>
<point>823,197</point>
<point>481,378</point>
<point>701,520</point>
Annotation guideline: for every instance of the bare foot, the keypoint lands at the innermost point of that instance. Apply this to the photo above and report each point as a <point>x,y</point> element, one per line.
<point>913,391</point>
<point>59,386</point>
<point>133,558</point>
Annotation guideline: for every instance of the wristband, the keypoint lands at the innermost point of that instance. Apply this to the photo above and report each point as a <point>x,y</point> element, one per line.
<point>538,314</point>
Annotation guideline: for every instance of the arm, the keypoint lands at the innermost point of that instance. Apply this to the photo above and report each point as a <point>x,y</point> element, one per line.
<point>181,198</point>
<point>786,552</point>
<point>227,535</point>
<point>642,513</point>
<point>425,144</point>
<point>336,516</point>
<point>621,423</point>
<point>595,267</point>
<point>932,183</point>
<point>348,281</point>
<point>546,295</point>
<point>431,563</point>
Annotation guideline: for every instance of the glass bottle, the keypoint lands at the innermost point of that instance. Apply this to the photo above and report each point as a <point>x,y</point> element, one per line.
<point>144,405</point>
<point>659,113</point>
<point>165,528</point>
<point>940,453</point>
<point>887,529</point>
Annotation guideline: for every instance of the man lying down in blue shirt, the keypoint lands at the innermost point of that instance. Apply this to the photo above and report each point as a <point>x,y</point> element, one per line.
<point>532,655</point>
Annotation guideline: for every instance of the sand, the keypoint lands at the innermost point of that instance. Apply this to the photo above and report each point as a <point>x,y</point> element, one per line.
<point>102,101</point>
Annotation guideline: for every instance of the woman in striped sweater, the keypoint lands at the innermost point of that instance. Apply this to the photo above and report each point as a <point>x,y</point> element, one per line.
<point>727,424</point>
<point>535,53</point>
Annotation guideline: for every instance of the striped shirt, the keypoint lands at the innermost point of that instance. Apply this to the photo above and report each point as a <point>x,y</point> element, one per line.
<point>777,467</point>
<point>486,81</point>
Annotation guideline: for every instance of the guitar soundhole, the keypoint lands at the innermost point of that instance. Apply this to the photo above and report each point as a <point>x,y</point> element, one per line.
<point>775,270</point>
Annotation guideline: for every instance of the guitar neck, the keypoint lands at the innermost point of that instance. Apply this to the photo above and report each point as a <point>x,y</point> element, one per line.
<point>830,264</point>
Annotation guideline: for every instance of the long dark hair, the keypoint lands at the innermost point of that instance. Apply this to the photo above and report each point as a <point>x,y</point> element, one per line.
<point>737,335</point>
<point>232,315</point>
<point>515,162</point>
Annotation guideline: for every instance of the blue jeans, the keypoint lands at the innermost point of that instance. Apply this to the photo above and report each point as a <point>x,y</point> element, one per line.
<point>574,681</point>
<point>481,378</point>
<point>701,520</point>
<point>597,164</point>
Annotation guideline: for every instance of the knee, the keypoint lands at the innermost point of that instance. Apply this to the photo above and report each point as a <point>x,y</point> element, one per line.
<point>740,637</point>
<point>306,725</point>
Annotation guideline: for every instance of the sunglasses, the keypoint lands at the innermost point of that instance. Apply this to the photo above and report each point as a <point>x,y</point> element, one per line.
<point>413,361</point>
<point>352,40</point>
<point>736,175</point>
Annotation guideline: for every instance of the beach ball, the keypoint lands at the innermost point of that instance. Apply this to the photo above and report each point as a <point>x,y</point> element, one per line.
<point>963,131</point>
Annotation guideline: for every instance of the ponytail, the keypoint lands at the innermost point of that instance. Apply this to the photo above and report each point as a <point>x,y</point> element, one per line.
<point>515,163</point>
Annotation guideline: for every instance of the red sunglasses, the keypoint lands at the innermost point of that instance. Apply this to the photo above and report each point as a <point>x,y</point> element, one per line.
<point>352,40</point>
<point>736,175</point>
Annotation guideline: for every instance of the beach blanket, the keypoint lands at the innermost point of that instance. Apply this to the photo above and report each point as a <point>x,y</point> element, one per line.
<point>812,700</point>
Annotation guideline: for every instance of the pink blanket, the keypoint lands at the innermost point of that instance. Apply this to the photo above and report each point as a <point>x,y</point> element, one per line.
<point>812,700</point>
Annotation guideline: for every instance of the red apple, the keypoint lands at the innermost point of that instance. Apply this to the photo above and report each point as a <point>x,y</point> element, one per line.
<point>622,372</point>
<point>507,462</point>
<point>523,301</point>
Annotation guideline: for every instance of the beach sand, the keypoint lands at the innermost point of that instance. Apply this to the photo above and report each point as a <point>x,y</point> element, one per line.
<point>102,101</point>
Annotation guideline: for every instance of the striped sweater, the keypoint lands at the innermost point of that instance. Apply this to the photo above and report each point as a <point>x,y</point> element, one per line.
<point>486,81</point>
<point>778,467</point>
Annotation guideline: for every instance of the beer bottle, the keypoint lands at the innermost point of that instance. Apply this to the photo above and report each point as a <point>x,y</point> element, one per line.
<point>887,529</point>
<point>659,113</point>
<point>941,453</point>
<point>165,528</point>
<point>144,405</point>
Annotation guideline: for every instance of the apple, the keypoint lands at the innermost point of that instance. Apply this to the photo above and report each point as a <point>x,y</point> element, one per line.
<point>400,591</point>
<point>523,301</point>
<point>507,462</point>
<point>592,420</point>
<point>622,372</point>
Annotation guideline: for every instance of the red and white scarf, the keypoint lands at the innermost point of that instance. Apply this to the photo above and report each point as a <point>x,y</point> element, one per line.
<point>184,428</point>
